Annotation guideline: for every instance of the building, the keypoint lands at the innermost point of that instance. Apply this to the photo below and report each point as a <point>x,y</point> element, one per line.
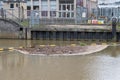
<point>53,8</point>
<point>92,6</point>
<point>59,8</point>
<point>109,8</point>
<point>1,4</point>
<point>70,9</point>
<point>15,8</point>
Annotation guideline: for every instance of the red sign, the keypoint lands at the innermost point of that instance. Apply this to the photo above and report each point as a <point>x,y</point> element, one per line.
<point>94,21</point>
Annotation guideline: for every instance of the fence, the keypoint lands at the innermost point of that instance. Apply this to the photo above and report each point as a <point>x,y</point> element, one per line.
<point>37,18</point>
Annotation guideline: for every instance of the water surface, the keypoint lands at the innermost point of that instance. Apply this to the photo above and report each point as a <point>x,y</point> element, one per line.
<point>104,65</point>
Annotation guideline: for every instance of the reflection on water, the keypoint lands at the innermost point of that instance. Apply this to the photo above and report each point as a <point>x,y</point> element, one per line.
<point>17,43</point>
<point>113,51</point>
<point>104,65</point>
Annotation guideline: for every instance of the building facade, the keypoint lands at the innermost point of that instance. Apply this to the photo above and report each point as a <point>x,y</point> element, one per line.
<point>91,6</point>
<point>60,8</point>
<point>53,8</point>
<point>109,9</point>
<point>70,9</point>
<point>15,8</point>
<point>1,4</point>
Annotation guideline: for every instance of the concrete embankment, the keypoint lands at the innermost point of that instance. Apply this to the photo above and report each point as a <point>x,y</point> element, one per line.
<point>9,35</point>
<point>11,29</point>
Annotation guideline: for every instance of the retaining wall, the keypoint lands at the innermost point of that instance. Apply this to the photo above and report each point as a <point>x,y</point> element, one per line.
<point>73,35</point>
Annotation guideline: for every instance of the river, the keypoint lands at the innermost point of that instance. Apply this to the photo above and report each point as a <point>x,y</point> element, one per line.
<point>104,65</point>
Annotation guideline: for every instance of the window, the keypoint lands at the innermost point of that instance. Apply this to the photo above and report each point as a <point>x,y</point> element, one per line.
<point>16,5</point>
<point>44,13</point>
<point>52,13</point>
<point>53,5</point>
<point>44,10</point>
<point>53,8</point>
<point>28,10</point>
<point>44,5</point>
<point>11,5</point>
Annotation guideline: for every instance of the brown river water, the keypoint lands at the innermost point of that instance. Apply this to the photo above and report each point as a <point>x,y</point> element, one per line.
<point>104,65</point>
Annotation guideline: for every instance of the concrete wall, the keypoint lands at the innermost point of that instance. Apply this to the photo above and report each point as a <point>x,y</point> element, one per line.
<point>9,35</point>
<point>9,29</point>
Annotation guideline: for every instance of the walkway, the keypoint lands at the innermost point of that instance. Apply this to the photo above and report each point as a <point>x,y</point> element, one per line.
<point>73,27</point>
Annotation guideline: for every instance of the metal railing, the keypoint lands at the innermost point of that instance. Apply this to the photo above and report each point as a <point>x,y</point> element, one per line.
<point>37,18</point>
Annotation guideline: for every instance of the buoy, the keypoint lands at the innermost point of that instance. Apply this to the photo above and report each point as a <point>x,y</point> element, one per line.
<point>42,45</point>
<point>52,45</point>
<point>104,43</point>
<point>73,44</point>
<point>1,49</point>
<point>93,44</point>
<point>11,48</point>
<point>21,47</point>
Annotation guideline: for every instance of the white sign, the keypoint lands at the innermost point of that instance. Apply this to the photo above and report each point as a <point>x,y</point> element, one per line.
<point>83,14</point>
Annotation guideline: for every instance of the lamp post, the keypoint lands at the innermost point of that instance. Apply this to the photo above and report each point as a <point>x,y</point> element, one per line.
<point>114,24</point>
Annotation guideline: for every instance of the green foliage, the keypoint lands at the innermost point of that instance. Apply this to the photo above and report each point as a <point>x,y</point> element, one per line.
<point>82,44</point>
<point>118,26</point>
<point>25,23</point>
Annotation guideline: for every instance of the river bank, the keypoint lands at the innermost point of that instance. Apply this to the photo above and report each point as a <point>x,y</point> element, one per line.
<point>62,50</point>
